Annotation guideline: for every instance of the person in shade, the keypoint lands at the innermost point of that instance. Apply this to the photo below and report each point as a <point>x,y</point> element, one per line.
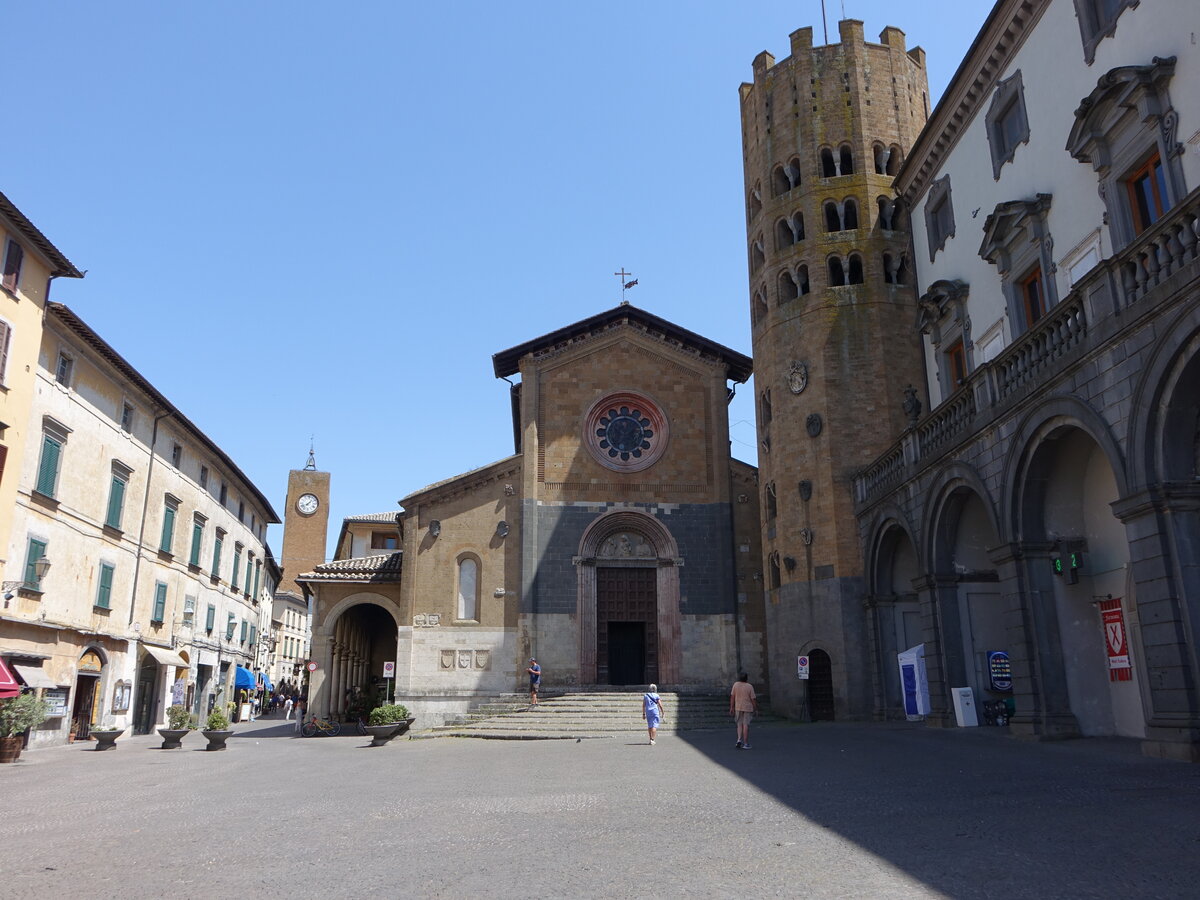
<point>652,711</point>
<point>743,705</point>
<point>535,680</point>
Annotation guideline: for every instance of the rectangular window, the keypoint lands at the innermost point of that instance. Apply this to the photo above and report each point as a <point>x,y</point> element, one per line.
<point>1147,188</point>
<point>257,573</point>
<point>5,340</point>
<point>253,635</point>
<point>224,493</point>
<point>1032,299</point>
<point>210,618</point>
<point>13,256</point>
<point>64,370</point>
<point>116,501</point>
<point>37,549</point>
<point>160,603</point>
<point>237,565</point>
<point>126,417</point>
<point>942,223</point>
<point>241,511</point>
<point>383,540</point>
<point>176,455</point>
<point>204,477</point>
<point>168,529</point>
<point>230,626</point>
<point>217,544</point>
<point>245,631</point>
<point>104,591</point>
<point>47,479</point>
<point>197,540</point>
<point>956,364</point>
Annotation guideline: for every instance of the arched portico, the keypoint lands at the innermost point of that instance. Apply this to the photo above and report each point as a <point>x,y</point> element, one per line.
<point>893,569</point>
<point>623,556</point>
<point>354,638</point>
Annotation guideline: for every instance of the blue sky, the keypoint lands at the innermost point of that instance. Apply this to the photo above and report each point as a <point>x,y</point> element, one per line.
<point>304,219</point>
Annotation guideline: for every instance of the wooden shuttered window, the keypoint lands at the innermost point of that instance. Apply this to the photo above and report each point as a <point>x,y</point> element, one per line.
<point>47,478</point>
<point>13,257</point>
<point>5,340</point>
<point>116,502</point>
<point>197,539</point>
<point>168,530</point>
<point>237,564</point>
<point>37,549</point>
<point>160,602</point>
<point>104,591</point>
<point>210,618</point>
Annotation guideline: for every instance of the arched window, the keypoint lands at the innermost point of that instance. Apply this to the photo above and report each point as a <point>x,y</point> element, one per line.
<point>887,209</point>
<point>779,181</point>
<point>880,154</point>
<point>798,226</point>
<point>899,216</point>
<point>893,268</point>
<point>802,279</point>
<point>468,589</point>
<point>856,269</point>
<point>837,273</point>
<point>787,287</point>
<point>846,157</point>
<point>754,202</point>
<point>850,215</point>
<point>784,237</point>
<point>758,308</point>
<point>828,168</point>
<point>793,171</point>
<point>833,220</point>
<point>893,160</point>
<point>765,402</point>
<point>758,254</point>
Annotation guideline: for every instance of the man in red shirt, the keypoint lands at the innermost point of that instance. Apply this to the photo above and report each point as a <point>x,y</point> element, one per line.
<point>743,705</point>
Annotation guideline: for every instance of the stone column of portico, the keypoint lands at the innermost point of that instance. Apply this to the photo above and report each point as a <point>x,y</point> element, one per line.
<point>930,589</point>
<point>335,666</point>
<point>1040,689</point>
<point>1162,526</point>
<point>319,681</point>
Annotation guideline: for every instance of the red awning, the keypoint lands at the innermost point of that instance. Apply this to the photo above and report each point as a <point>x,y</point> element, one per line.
<point>9,687</point>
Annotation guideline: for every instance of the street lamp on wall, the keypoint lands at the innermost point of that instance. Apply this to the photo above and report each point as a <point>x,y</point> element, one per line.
<point>41,568</point>
<point>435,528</point>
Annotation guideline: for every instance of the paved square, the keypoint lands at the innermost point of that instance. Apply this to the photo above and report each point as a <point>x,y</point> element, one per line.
<point>830,810</point>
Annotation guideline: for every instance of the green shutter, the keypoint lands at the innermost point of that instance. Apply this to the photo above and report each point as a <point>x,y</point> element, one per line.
<point>168,530</point>
<point>160,602</point>
<point>37,549</point>
<point>104,594</point>
<point>197,537</point>
<point>257,572</point>
<point>230,626</point>
<point>211,619</point>
<point>245,630</point>
<point>253,635</point>
<point>237,564</point>
<point>48,467</point>
<point>216,569</point>
<point>116,500</point>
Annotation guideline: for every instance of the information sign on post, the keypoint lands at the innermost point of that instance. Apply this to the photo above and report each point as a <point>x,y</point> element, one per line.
<point>802,668</point>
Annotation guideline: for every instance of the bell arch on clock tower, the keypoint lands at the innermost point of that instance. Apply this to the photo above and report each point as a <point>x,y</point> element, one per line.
<point>304,533</point>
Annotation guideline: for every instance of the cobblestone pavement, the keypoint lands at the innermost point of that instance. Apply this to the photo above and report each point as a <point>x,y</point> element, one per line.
<point>831,810</point>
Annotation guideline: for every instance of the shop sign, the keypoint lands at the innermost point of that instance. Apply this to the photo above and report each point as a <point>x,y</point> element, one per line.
<point>57,699</point>
<point>1116,640</point>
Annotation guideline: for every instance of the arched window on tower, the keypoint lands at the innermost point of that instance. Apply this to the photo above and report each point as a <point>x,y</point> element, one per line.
<point>758,254</point>
<point>893,160</point>
<point>887,213</point>
<point>787,287</point>
<point>784,236</point>
<point>754,202</point>
<point>899,216</point>
<point>779,181</point>
<point>792,170</point>
<point>468,589</point>
<point>837,272</point>
<point>828,167</point>
<point>846,158</point>
<point>833,219</point>
<point>802,280</point>
<point>880,154</point>
<point>758,308</point>
<point>856,269</point>
<point>850,215</point>
<point>765,402</point>
<point>893,268</point>
<point>798,225</point>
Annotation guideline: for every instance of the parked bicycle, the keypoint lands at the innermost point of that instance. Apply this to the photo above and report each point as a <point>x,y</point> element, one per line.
<point>317,725</point>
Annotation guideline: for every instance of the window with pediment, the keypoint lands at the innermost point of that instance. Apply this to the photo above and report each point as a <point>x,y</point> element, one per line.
<point>939,215</point>
<point>1017,241</point>
<point>1007,122</point>
<point>943,317</point>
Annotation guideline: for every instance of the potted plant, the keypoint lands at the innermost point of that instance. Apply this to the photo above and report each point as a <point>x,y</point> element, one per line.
<point>179,723</point>
<point>106,736</point>
<point>386,722</point>
<point>16,716</point>
<point>217,730</point>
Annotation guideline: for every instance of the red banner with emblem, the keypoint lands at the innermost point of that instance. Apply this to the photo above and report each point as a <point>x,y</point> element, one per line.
<point>1116,640</point>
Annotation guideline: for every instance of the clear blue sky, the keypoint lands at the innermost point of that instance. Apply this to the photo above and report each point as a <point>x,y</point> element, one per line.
<point>304,218</point>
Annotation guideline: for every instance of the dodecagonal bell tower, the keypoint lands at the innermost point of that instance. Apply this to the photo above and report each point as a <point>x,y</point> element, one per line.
<point>833,316</point>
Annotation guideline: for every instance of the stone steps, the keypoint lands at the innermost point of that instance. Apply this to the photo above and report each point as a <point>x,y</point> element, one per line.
<point>586,715</point>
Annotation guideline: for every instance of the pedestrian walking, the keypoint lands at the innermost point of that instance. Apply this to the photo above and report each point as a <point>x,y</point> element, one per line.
<point>535,680</point>
<point>287,708</point>
<point>652,711</point>
<point>300,706</point>
<point>743,705</point>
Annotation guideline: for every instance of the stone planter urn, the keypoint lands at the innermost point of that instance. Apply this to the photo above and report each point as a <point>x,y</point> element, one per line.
<point>381,734</point>
<point>173,737</point>
<point>216,739</point>
<point>106,738</point>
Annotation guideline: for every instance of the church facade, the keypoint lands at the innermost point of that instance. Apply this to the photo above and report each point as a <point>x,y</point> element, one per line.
<point>618,544</point>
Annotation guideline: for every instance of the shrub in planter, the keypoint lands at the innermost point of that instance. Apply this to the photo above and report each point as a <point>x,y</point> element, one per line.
<point>21,713</point>
<point>178,718</point>
<point>217,721</point>
<point>388,714</point>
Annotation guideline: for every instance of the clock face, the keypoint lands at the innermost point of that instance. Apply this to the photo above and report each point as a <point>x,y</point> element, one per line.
<point>625,431</point>
<point>307,504</point>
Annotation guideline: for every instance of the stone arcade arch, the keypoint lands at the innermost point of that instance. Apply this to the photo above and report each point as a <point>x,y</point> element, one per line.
<point>356,636</point>
<point>893,570</point>
<point>628,553</point>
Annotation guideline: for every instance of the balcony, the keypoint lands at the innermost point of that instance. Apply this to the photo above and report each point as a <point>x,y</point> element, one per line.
<point>1112,300</point>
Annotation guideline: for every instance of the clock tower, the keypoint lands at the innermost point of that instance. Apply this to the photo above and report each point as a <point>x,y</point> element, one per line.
<point>305,523</point>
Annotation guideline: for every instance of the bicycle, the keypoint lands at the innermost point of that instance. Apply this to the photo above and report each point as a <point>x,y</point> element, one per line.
<point>361,724</point>
<point>317,725</point>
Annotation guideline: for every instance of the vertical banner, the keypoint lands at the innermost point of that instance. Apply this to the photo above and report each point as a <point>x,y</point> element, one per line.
<point>1116,639</point>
